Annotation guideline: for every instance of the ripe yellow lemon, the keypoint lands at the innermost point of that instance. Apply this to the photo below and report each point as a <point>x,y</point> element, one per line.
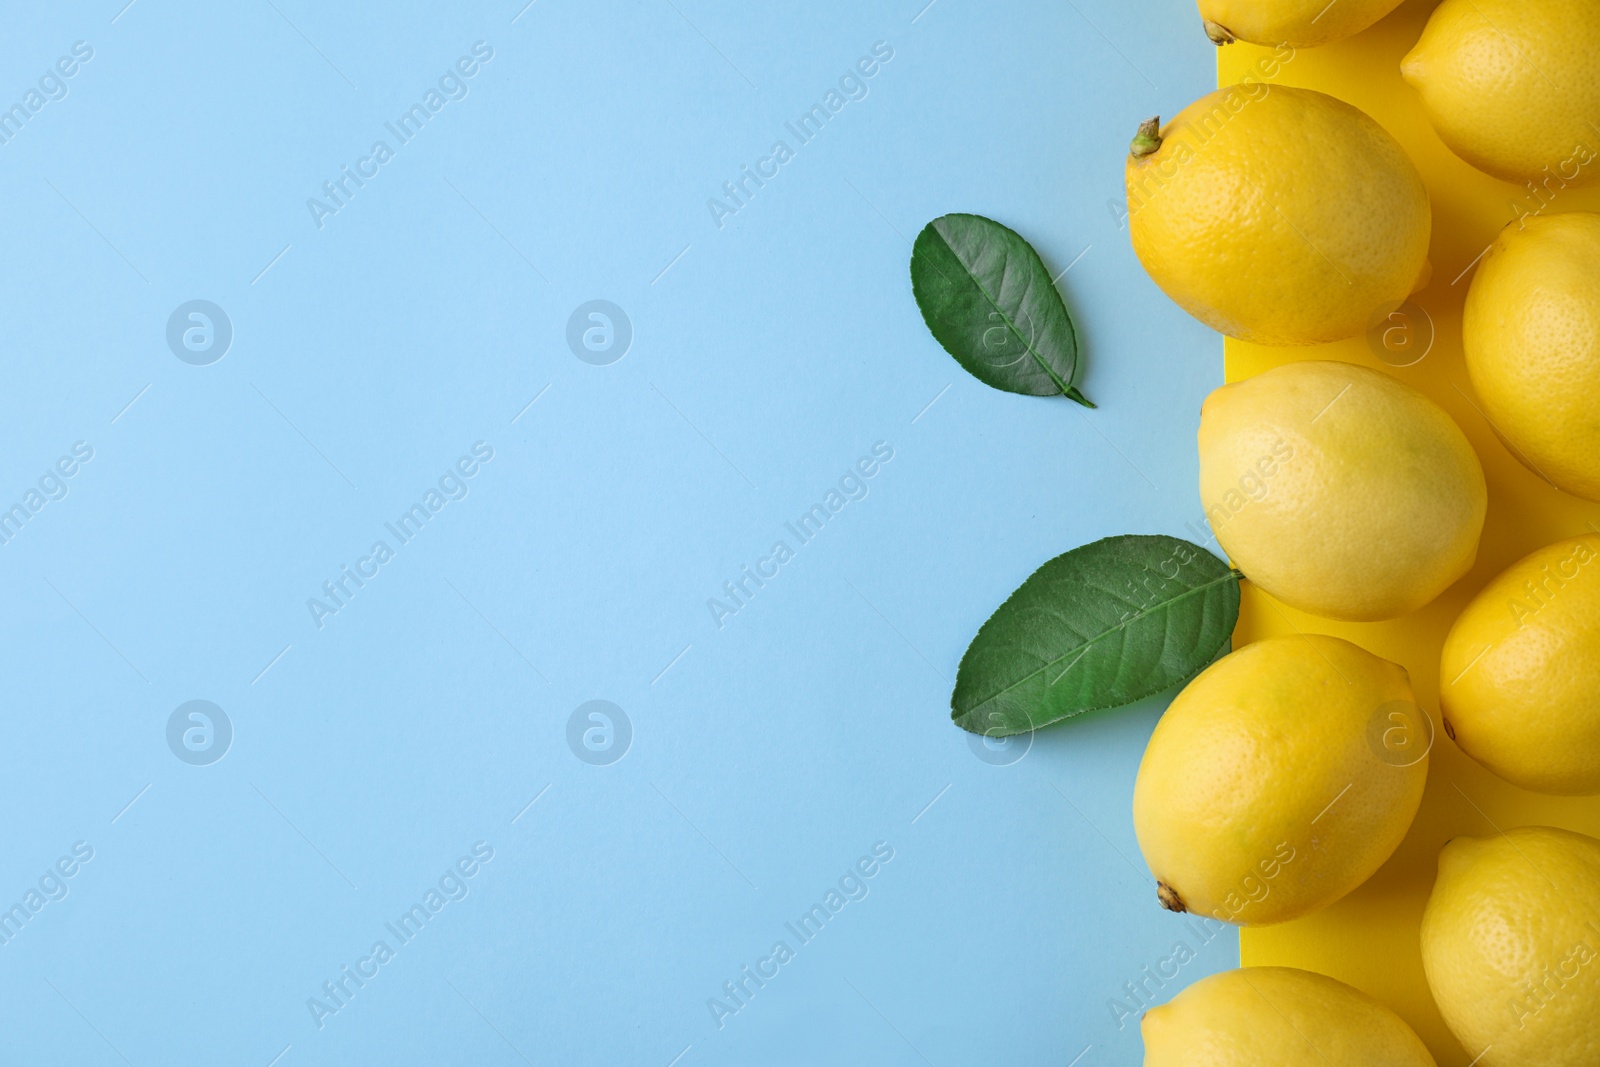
<point>1340,490</point>
<point>1532,338</point>
<point>1512,87</point>
<point>1511,946</point>
<point>1300,23</point>
<point>1277,1017</point>
<point>1277,215</point>
<point>1520,674</point>
<point>1269,789</point>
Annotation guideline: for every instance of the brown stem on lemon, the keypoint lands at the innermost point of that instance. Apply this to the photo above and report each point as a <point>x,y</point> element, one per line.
<point>1169,898</point>
<point>1449,730</point>
<point>1219,34</point>
<point>1148,140</point>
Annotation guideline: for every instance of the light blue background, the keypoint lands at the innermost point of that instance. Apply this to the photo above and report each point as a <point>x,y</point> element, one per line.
<point>769,354</point>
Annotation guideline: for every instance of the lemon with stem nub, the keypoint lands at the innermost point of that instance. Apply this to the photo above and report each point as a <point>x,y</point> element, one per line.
<point>1270,790</point>
<point>1300,23</point>
<point>1278,215</point>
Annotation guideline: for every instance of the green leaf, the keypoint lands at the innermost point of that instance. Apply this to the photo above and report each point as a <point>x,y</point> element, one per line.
<point>1099,627</point>
<point>987,298</point>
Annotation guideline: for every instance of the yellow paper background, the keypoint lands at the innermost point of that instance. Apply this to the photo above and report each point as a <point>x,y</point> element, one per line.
<point>1370,939</point>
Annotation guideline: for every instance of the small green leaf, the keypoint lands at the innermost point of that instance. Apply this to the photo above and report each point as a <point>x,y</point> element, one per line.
<point>1098,627</point>
<point>988,299</point>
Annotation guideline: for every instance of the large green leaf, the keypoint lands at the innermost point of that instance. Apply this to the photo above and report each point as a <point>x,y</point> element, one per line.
<point>1101,626</point>
<point>988,299</point>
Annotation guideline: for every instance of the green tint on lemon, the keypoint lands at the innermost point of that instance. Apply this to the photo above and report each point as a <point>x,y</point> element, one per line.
<point>1340,490</point>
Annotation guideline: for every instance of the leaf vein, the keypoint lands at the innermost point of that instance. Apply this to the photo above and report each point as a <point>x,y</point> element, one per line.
<point>1120,628</point>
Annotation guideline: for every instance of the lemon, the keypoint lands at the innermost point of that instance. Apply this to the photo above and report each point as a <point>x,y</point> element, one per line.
<point>1266,793</point>
<point>1277,1017</point>
<point>1532,338</point>
<point>1300,23</point>
<point>1511,86</point>
<point>1340,490</point>
<point>1520,675</point>
<point>1277,215</point>
<point>1511,945</point>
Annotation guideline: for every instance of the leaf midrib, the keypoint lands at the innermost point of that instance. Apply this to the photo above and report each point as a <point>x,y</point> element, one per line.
<point>1230,576</point>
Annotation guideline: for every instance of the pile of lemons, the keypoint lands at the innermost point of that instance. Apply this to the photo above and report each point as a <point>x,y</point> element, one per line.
<point>1289,771</point>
